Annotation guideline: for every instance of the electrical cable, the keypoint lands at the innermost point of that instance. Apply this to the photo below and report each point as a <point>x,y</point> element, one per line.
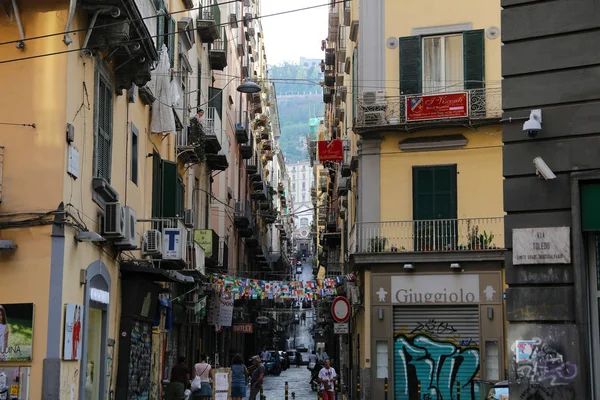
<point>156,36</point>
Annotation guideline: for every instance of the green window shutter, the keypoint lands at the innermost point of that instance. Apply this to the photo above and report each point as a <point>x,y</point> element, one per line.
<point>354,80</point>
<point>590,212</point>
<point>199,74</point>
<point>215,99</point>
<point>434,192</point>
<point>410,65</point>
<point>172,30</point>
<point>156,185</point>
<point>160,30</point>
<point>104,135</point>
<point>474,59</point>
<point>180,196</point>
<point>169,189</point>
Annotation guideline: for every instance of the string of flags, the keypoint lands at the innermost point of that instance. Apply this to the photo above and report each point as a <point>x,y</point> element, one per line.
<point>256,289</point>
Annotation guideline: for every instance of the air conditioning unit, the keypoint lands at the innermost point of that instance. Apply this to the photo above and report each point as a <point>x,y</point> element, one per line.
<point>175,244</point>
<point>114,221</point>
<point>131,237</point>
<point>374,98</point>
<point>152,243</point>
<point>189,218</point>
<point>375,118</point>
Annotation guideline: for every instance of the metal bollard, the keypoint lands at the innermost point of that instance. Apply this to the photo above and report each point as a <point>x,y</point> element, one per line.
<point>262,393</point>
<point>457,390</point>
<point>286,390</point>
<point>419,390</point>
<point>385,388</point>
<point>358,384</point>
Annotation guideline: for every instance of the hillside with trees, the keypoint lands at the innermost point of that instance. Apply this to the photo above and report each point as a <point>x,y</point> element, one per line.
<point>299,97</point>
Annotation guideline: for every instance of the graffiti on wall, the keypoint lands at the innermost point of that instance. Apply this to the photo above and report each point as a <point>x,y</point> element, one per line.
<point>540,363</point>
<point>427,368</point>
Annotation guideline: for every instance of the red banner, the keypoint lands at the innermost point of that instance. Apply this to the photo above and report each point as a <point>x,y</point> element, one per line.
<point>331,150</point>
<point>437,106</point>
<point>242,328</point>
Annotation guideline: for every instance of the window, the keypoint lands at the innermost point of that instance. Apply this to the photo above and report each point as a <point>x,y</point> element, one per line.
<point>166,28</point>
<point>173,191</point>
<point>303,185</point>
<point>215,99</point>
<point>135,149</point>
<point>434,192</point>
<point>171,41</point>
<point>303,221</point>
<point>199,88</point>
<point>303,197</point>
<point>104,116</point>
<point>293,186</point>
<point>447,63</point>
<point>443,64</point>
<point>381,348</point>
<point>156,185</point>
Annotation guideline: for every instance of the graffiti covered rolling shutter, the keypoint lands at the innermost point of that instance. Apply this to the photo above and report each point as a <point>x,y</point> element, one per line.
<point>438,348</point>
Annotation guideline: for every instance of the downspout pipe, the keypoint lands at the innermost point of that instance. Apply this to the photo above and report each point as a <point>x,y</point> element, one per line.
<point>67,38</point>
<point>21,43</point>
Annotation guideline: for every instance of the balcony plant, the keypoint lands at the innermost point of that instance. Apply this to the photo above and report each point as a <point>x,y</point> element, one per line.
<point>196,138</point>
<point>477,241</point>
<point>377,244</point>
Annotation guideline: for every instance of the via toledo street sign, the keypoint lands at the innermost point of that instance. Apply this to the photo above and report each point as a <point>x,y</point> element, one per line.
<point>340,309</point>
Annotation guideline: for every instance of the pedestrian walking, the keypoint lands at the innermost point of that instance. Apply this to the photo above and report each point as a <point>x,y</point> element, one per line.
<point>327,378</point>
<point>298,359</point>
<point>257,378</point>
<point>239,373</point>
<point>202,369</point>
<point>180,378</point>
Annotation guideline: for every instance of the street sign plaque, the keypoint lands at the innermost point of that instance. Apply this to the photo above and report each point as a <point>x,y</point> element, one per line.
<point>340,309</point>
<point>340,329</point>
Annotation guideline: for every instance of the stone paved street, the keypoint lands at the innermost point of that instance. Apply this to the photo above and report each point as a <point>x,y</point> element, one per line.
<point>298,382</point>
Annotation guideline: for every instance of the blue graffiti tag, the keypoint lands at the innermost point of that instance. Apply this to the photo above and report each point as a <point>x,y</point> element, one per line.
<point>440,368</point>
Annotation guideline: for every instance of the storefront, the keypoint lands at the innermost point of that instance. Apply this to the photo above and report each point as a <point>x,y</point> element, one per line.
<point>433,335</point>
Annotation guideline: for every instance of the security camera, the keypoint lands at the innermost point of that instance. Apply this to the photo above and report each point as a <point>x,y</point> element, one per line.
<point>542,169</point>
<point>534,124</point>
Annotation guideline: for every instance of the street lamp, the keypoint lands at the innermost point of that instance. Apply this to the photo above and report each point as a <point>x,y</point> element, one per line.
<point>248,87</point>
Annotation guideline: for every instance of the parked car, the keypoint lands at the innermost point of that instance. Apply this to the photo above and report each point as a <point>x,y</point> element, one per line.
<point>499,391</point>
<point>291,356</point>
<point>305,353</point>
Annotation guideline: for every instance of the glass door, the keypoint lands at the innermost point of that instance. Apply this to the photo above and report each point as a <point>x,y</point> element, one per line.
<point>594,270</point>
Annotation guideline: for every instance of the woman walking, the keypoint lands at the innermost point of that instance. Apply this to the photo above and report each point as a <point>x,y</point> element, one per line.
<point>202,369</point>
<point>239,374</point>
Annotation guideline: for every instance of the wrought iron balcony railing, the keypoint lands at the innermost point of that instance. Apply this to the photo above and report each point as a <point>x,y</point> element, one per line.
<point>472,234</point>
<point>483,106</point>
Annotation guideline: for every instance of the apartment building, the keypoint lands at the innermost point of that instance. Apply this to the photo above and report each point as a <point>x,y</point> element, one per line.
<point>120,198</point>
<point>415,203</point>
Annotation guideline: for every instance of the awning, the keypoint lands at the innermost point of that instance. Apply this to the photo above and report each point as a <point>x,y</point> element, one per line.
<point>155,274</point>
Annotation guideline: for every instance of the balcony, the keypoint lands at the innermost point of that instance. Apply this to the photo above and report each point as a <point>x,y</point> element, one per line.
<point>212,131</point>
<point>223,255</point>
<point>217,55</point>
<point>333,270</point>
<point>259,191</point>
<point>241,131</point>
<point>242,214</point>
<point>432,236</point>
<point>252,167</point>
<point>209,21</point>
<point>247,151</point>
<point>479,107</point>
<point>190,144</point>
<point>267,145</point>
<point>217,162</point>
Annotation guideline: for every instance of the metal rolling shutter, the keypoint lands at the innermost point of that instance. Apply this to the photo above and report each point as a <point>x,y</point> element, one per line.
<point>438,348</point>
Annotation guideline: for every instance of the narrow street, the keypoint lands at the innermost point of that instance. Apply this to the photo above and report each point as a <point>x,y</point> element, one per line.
<point>298,379</point>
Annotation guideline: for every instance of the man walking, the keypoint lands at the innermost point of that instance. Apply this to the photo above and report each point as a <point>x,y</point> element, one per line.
<point>327,377</point>
<point>180,377</point>
<point>257,378</point>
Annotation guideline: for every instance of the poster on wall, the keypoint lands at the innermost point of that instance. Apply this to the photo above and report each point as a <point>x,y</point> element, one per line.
<point>14,383</point>
<point>16,331</point>
<point>72,340</point>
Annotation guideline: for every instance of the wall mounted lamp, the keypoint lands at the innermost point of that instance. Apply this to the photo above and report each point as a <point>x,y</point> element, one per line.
<point>409,267</point>
<point>490,313</point>
<point>380,313</point>
<point>455,266</point>
<point>87,236</point>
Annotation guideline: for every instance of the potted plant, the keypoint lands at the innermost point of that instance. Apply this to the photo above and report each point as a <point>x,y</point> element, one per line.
<point>377,244</point>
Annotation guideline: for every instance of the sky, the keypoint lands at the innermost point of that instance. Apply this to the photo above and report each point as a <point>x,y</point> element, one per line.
<point>292,35</point>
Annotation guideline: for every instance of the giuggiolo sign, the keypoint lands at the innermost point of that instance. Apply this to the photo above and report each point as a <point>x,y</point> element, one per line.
<point>435,289</point>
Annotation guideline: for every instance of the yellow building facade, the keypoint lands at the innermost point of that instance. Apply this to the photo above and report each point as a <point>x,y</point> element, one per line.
<point>105,178</point>
<point>417,87</point>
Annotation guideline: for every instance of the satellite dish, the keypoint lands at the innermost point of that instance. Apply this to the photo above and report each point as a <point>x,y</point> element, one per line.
<point>493,32</point>
<point>392,42</point>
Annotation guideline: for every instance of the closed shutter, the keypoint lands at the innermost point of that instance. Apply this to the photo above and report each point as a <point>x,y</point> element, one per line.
<point>180,193</point>
<point>156,185</point>
<point>172,29</point>
<point>169,189</point>
<point>434,192</point>
<point>474,59</point>
<point>161,37</point>
<point>199,88</point>
<point>436,348</point>
<point>215,99</point>
<point>410,65</point>
<point>104,134</point>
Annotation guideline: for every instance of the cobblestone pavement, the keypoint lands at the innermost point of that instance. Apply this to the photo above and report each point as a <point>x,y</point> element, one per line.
<point>298,379</point>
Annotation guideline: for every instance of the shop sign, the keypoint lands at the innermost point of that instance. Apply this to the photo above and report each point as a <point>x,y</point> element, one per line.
<point>225,312</point>
<point>262,320</point>
<point>542,246</point>
<point>330,150</point>
<point>204,238</point>
<point>437,106</point>
<point>435,289</point>
<point>340,329</point>
<point>242,328</point>
<point>99,296</point>
<point>73,334</point>
<point>16,328</point>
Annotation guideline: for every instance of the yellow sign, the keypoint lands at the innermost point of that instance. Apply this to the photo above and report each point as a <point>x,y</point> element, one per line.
<point>14,390</point>
<point>204,238</point>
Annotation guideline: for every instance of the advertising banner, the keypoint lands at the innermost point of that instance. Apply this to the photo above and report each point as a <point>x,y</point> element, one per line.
<point>16,331</point>
<point>331,150</point>
<point>14,383</point>
<point>225,311</point>
<point>72,340</point>
<point>437,106</point>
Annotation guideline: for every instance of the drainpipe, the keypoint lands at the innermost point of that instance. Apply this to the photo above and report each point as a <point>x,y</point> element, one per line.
<point>67,38</point>
<point>21,43</point>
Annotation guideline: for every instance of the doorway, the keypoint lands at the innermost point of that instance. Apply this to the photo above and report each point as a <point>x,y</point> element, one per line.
<point>594,274</point>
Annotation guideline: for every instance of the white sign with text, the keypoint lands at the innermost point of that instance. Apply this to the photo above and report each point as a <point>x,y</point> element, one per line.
<point>542,246</point>
<point>435,289</point>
